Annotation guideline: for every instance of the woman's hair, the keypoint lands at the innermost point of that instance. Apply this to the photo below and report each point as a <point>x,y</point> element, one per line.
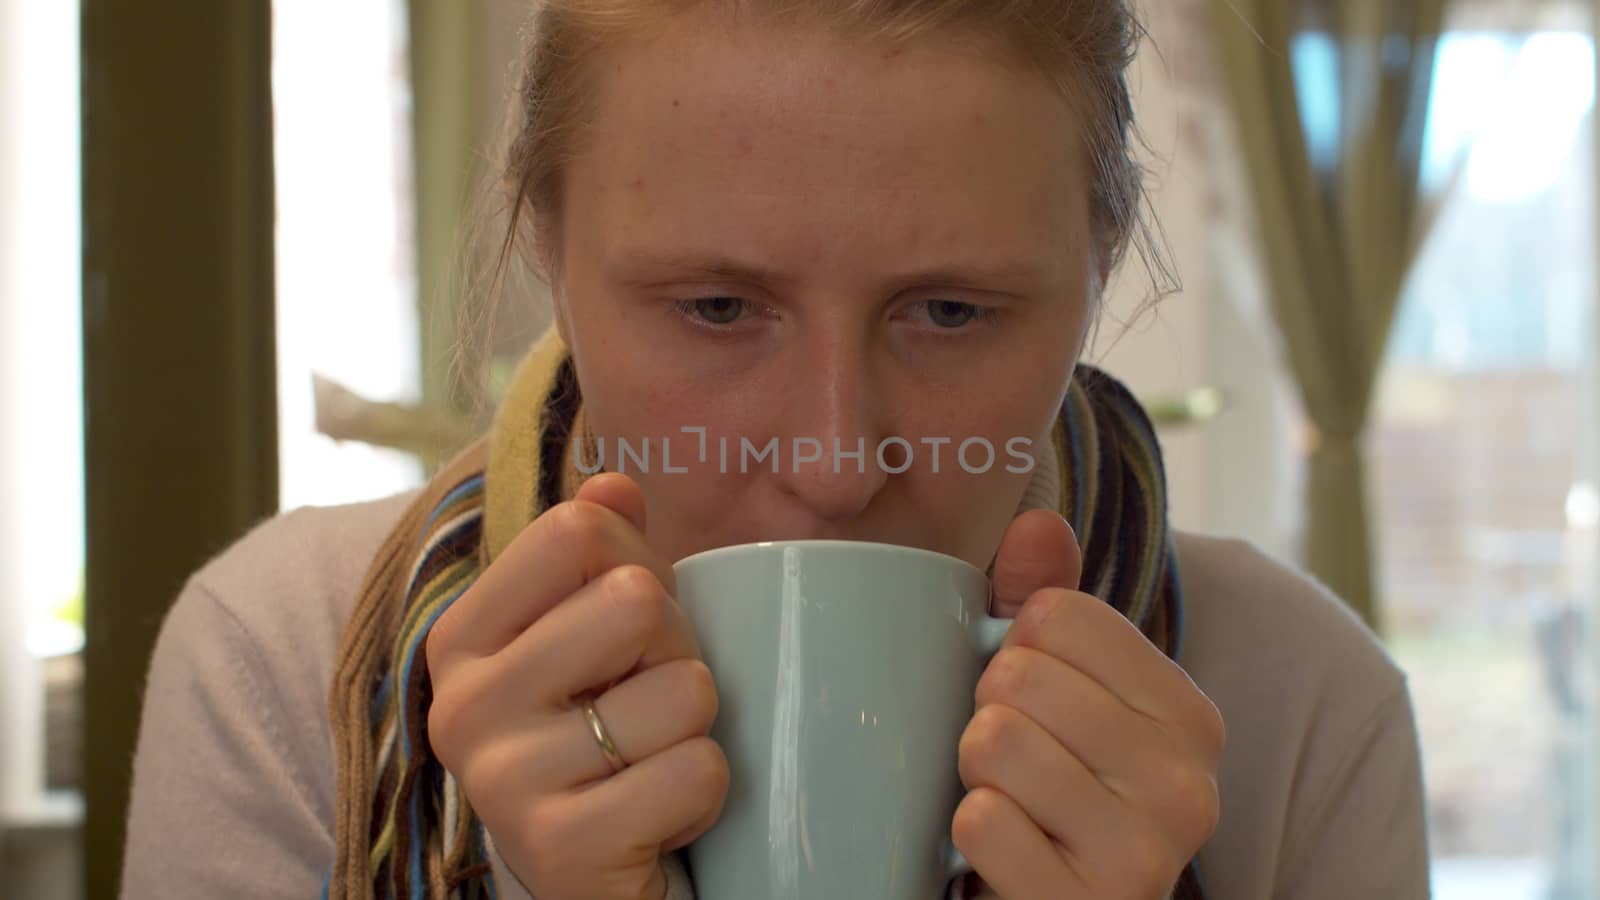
<point>1084,47</point>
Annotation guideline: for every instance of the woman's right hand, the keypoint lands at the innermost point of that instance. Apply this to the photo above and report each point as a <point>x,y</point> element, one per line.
<point>578,605</point>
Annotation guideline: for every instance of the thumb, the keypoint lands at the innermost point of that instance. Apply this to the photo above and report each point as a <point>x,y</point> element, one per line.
<point>1038,550</point>
<point>616,492</point>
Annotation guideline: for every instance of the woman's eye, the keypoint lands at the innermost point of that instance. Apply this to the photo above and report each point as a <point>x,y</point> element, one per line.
<point>951,313</point>
<point>716,310</point>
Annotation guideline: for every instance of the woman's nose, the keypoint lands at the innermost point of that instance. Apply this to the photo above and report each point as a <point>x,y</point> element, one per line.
<point>830,436</point>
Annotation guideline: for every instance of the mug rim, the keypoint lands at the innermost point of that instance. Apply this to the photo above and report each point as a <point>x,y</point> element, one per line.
<point>830,544</point>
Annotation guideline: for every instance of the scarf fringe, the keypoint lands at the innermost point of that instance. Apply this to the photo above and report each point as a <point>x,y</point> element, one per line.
<point>357,691</point>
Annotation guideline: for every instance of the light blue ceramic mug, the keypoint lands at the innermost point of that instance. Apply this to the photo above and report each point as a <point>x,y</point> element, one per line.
<point>845,673</point>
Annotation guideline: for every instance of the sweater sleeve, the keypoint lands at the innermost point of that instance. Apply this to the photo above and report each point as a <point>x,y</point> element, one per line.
<point>227,797</point>
<point>1364,833</point>
<point>221,804</point>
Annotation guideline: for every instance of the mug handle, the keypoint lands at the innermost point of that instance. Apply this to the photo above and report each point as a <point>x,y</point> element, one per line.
<point>956,868</point>
<point>991,633</point>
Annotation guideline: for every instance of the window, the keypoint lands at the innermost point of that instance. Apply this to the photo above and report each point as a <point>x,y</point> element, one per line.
<point>1484,527</point>
<point>41,292</point>
<point>41,412</point>
<point>346,273</point>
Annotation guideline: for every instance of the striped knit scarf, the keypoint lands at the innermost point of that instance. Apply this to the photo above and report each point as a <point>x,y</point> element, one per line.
<point>405,829</point>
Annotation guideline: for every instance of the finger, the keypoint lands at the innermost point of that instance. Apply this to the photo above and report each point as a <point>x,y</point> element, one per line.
<point>560,552</point>
<point>1006,750</point>
<point>693,833</point>
<point>558,860</point>
<point>647,714</point>
<point>1099,642</point>
<point>1141,766</point>
<point>1009,852</point>
<point>618,493</point>
<point>620,623</point>
<point>1115,742</point>
<point>1106,847</point>
<point>648,804</point>
<point>1038,550</point>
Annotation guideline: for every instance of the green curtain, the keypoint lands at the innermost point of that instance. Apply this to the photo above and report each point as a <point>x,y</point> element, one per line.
<point>1338,241</point>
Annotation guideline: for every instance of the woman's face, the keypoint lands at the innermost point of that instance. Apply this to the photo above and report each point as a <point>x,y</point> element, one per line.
<point>776,233</point>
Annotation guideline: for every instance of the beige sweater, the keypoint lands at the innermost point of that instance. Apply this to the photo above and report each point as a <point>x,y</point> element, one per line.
<point>233,790</point>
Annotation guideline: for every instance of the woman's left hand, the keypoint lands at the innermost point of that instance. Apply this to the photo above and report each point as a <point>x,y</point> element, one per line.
<point>1091,760</point>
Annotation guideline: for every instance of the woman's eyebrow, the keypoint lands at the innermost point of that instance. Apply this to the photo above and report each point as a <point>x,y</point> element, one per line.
<point>643,267</point>
<point>650,266</point>
<point>996,271</point>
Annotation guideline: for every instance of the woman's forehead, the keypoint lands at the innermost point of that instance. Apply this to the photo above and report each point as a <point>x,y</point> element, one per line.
<point>805,137</point>
<point>699,72</point>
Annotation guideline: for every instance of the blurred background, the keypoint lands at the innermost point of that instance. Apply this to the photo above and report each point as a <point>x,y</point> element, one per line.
<point>229,258</point>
